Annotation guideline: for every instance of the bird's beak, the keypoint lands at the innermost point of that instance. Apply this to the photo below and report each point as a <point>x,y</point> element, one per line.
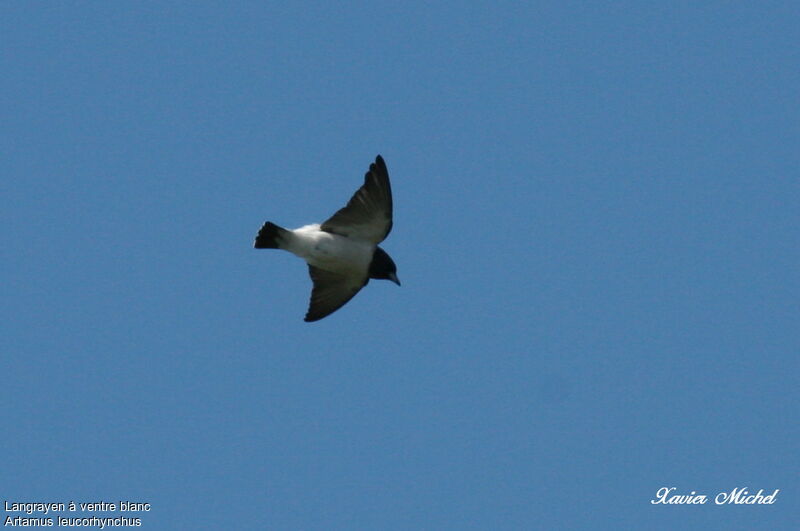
<point>393,278</point>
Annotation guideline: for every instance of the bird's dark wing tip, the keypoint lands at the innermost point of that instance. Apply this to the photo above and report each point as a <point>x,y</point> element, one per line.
<point>379,165</point>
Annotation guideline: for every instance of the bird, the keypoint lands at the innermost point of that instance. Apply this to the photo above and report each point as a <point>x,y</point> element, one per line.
<point>342,253</point>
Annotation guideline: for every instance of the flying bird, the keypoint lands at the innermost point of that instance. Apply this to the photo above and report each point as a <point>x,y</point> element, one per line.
<point>342,253</point>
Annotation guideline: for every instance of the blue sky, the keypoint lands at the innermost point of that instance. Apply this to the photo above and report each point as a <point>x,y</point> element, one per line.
<point>596,227</point>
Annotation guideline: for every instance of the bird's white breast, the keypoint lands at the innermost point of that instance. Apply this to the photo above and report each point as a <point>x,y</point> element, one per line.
<point>330,251</point>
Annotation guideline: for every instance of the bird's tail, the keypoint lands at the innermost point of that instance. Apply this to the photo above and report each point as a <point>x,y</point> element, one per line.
<point>271,236</point>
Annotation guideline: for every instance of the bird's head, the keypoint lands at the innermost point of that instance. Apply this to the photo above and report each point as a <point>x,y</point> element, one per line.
<point>382,267</point>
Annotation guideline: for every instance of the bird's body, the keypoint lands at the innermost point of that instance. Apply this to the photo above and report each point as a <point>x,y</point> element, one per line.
<point>342,253</point>
<point>328,251</point>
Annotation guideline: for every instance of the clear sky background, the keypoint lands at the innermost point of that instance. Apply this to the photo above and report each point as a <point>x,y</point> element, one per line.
<point>597,219</point>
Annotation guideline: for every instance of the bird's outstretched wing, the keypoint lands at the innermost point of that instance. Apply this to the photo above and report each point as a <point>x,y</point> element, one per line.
<point>331,291</point>
<point>368,214</point>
